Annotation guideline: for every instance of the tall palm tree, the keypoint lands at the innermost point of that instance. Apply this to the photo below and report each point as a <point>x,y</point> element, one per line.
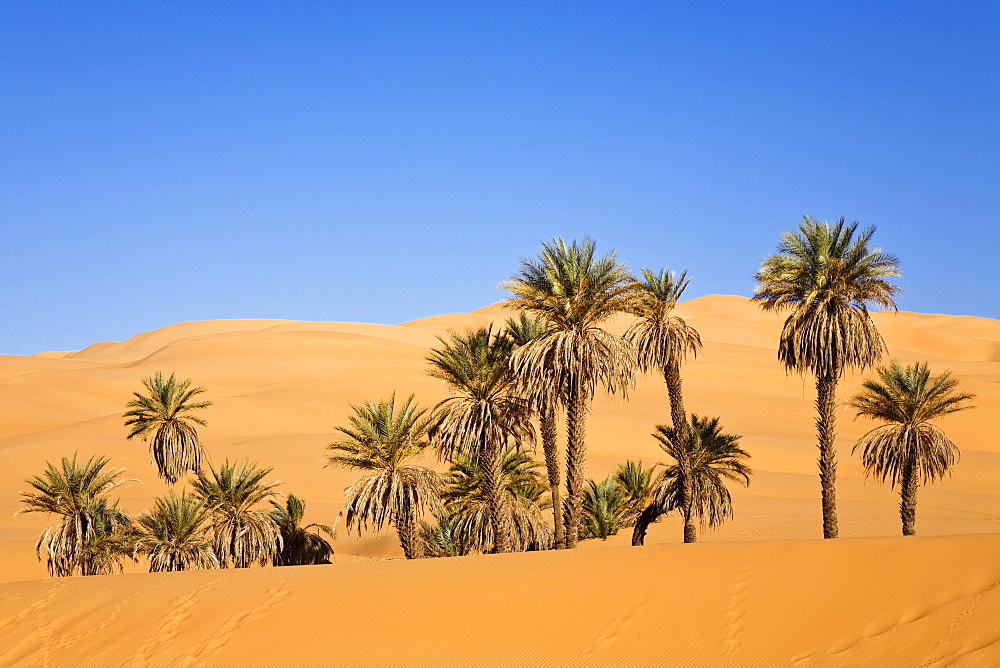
<point>175,535</point>
<point>243,534</point>
<point>908,450</point>
<point>713,458</point>
<point>381,442</point>
<point>164,414</point>
<point>523,330</point>
<point>300,546</point>
<point>485,412</point>
<point>663,342</point>
<point>466,498</point>
<point>574,291</point>
<point>80,539</point>
<point>827,276</point>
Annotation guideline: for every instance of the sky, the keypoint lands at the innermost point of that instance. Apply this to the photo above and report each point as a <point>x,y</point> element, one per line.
<point>381,162</point>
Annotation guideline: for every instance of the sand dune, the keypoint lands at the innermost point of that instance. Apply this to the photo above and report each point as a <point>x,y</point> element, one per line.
<point>279,387</point>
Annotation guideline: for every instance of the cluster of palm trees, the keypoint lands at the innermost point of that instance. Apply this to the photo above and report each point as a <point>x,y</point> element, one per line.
<point>219,523</point>
<point>508,388</point>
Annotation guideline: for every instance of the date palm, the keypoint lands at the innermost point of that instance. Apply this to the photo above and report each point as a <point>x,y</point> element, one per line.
<point>908,450</point>
<point>606,508</point>
<point>826,275</point>
<point>485,412</point>
<point>300,546</point>
<point>524,489</point>
<point>574,291</point>
<point>243,534</point>
<point>82,538</point>
<point>640,484</point>
<point>522,330</point>
<point>164,416</point>
<point>662,341</point>
<point>713,458</point>
<point>175,535</point>
<point>382,443</point>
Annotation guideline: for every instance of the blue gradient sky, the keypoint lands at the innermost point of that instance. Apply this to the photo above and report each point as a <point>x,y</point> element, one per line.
<point>162,162</point>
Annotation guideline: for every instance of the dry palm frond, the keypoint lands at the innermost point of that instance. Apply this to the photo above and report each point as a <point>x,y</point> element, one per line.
<point>176,535</point>
<point>163,417</point>
<point>907,399</point>
<point>76,492</point>
<point>714,458</point>
<point>300,546</point>
<point>242,534</point>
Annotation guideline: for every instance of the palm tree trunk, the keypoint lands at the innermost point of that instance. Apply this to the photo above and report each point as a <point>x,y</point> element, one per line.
<point>826,390</point>
<point>908,499</point>
<point>690,530</point>
<point>547,418</point>
<point>406,529</point>
<point>576,456</point>
<point>495,492</point>
<point>648,515</point>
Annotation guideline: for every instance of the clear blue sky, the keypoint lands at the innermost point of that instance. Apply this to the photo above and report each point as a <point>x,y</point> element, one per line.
<point>162,162</point>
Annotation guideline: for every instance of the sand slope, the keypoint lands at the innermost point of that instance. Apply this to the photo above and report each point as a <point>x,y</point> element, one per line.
<point>279,387</point>
<point>873,601</point>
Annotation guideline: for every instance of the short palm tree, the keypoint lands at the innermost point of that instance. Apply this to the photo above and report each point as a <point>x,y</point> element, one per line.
<point>606,508</point>
<point>485,412</point>
<point>663,341</point>
<point>242,533</point>
<point>714,458</point>
<point>80,540</point>
<point>640,484</point>
<point>440,538</point>
<point>908,450</point>
<point>300,546</point>
<point>575,292</point>
<point>524,490</point>
<point>826,276</point>
<point>164,417</point>
<point>523,330</point>
<point>109,541</point>
<point>175,535</point>
<point>382,441</point>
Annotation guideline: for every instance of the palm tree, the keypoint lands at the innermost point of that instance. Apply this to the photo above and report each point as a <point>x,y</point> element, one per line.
<point>713,458</point>
<point>441,538</point>
<point>165,413</point>
<point>524,490</point>
<point>109,541</point>
<point>176,534</point>
<point>300,546</point>
<point>663,342</point>
<point>522,330</point>
<point>574,292</point>
<point>640,484</point>
<point>908,450</point>
<point>242,534</point>
<point>826,276</point>
<point>82,538</point>
<point>606,508</point>
<point>484,414</point>
<point>381,442</point>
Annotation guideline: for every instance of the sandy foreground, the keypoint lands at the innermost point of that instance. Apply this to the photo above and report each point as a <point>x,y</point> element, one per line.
<point>761,589</point>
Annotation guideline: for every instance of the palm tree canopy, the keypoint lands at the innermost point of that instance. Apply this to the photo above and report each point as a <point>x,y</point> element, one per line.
<point>659,337</point>
<point>607,508</point>
<point>466,499</point>
<point>165,413</point>
<point>382,441</point>
<point>243,534</point>
<point>487,407</point>
<point>301,546</point>
<point>639,482</point>
<point>89,532</point>
<point>827,275</point>
<point>175,534</point>
<point>714,457</point>
<point>525,328</point>
<point>907,399</point>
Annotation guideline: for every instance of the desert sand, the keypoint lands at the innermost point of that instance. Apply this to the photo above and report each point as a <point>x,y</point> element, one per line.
<point>762,589</point>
